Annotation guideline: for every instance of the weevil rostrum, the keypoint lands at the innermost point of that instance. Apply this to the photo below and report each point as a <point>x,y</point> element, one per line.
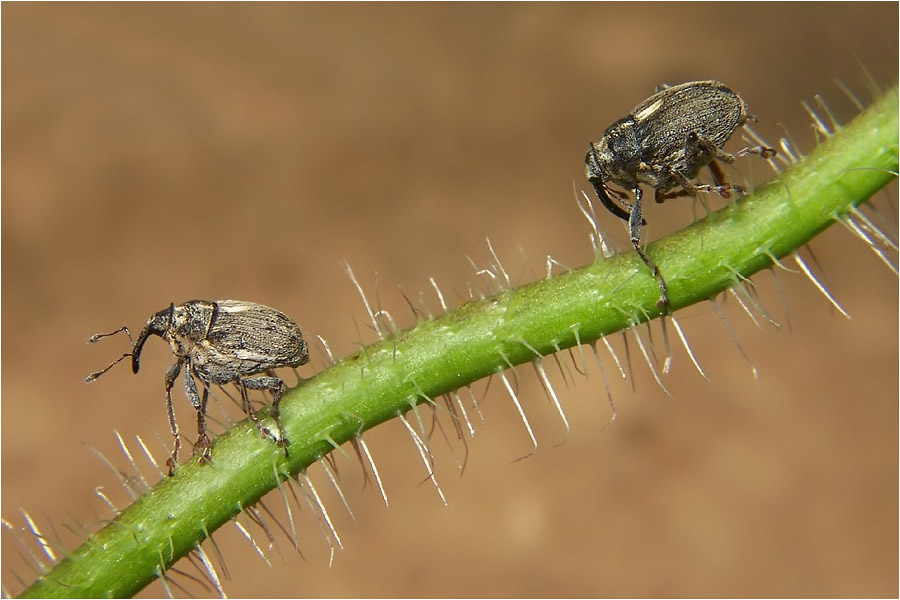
<point>664,143</point>
<point>220,342</point>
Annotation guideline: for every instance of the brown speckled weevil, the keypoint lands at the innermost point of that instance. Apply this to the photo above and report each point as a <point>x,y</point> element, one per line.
<point>664,143</point>
<point>226,341</point>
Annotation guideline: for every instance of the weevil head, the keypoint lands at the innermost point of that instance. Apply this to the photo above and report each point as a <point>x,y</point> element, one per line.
<point>592,169</point>
<point>157,325</point>
<point>604,163</point>
<point>616,157</point>
<point>303,353</point>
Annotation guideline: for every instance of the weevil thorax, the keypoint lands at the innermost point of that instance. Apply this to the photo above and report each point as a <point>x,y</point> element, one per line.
<point>189,326</point>
<point>616,156</point>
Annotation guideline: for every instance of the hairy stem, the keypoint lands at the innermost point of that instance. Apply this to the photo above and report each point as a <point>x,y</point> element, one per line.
<point>476,340</point>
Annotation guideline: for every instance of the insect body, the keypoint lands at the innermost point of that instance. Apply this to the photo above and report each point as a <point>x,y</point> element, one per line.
<point>226,341</point>
<point>664,143</point>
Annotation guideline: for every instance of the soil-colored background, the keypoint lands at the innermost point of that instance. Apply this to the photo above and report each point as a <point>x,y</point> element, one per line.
<point>157,153</point>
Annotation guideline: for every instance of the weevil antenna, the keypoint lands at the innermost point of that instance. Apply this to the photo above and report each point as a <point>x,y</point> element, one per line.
<point>99,336</point>
<point>97,374</point>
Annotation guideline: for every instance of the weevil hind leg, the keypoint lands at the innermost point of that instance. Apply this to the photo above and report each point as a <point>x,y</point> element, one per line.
<point>660,197</point>
<point>694,146</point>
<point>693,189</point>
<point>276,385</point>
<point>721,185</point>
<point>718,175</point>
<point>763,151</point>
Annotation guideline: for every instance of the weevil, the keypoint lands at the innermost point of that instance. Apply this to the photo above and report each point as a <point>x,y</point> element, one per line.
<point>664,143</point>
<point>220,342</point>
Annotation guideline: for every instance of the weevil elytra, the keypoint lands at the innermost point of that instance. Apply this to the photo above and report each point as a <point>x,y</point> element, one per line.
<point>664,143</point>
<point>226,341</point>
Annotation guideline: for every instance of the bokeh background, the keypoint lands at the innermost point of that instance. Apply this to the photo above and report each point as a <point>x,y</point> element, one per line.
<point>161,152</point>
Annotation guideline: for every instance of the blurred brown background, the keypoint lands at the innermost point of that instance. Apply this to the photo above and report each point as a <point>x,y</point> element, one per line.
<point>157,153</point>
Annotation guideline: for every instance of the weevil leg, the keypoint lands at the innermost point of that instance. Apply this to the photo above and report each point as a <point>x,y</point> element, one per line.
<point>666,178</point>
<point>190,386</point>
<point>716,152</point>
<point>721,186</point>
<point>694,146</point>
<point>248,408</point>
<point>763,151</point>
<point>634,224</point>
<point>261,383</point>
<point>661,197</point>
<point>718,175</point>
<point>693,189</point>
<point>203,438</point>
<point>697,143</point>
<point>277,387</point>
<point>171,375</point>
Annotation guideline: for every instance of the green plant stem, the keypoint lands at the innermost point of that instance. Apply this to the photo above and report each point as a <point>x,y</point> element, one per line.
<point>476,340</point>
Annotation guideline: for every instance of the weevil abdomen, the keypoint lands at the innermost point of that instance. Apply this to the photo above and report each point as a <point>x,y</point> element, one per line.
<point>250,338</point>
<point>707,109</point>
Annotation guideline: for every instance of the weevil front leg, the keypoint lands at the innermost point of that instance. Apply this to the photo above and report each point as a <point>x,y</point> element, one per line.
<point>634,225</point>
<point>171,375</point>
